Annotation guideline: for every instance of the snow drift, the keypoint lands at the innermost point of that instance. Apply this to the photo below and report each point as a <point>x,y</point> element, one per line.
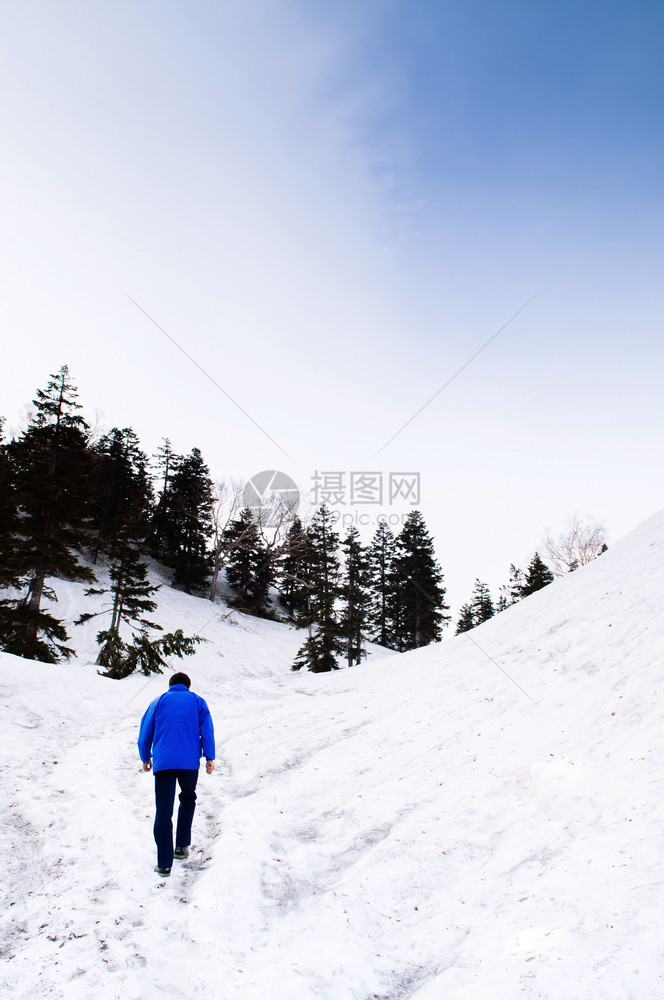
<point>478,818</point>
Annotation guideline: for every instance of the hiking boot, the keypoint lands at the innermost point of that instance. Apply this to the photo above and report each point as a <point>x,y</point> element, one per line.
<point>164,872</point>
<point>181,853</point>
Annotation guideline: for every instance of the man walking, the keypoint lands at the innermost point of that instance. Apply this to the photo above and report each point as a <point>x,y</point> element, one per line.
<point>175,732</point>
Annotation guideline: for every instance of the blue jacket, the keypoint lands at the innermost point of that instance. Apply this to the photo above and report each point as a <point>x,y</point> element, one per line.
<point>175,730</point>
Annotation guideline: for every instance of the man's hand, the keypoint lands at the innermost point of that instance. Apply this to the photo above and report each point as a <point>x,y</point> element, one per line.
<point>209,766</point>
<point>147,765</point>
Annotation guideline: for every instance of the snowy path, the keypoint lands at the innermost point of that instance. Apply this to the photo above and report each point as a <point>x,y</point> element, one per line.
<point>416,827</point>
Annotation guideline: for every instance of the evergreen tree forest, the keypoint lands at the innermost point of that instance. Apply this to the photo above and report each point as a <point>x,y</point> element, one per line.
<point>49,475</point>
<point>249,565</point>
<point>479,609</point>
<point>391,592</point>
<point>70,505</point>
<point>481,606</point>
<point>79,506</point>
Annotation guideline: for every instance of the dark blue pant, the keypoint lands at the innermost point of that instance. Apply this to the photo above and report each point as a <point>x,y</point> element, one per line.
<point>164,791</point>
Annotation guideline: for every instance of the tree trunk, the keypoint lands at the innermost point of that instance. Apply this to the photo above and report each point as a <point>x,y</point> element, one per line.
<point>33,602</point>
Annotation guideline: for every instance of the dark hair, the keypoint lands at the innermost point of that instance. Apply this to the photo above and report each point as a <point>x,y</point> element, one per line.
<point>179,679</point>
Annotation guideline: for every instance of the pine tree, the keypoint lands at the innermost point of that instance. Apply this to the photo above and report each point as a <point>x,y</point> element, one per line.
<point>122,492</point>
<point>479,609</point>
<point>148,655</point>
<point>512,591</point>
<point>319,653</point>
<point>8,515</point>
<point>324,565</point>
<point>121,509</point>
<point>382,591</point>
<point>51,472</point>
<point>263,581</point>
<point>167,463</point>
<point>249,564</point>
<point>466,619</point>
<point>293,570</point>
<point>482,604</point>
<point>187,523</point>
<point>537,576</point>
<point>240,542</point>
<point>420,611</point>
<point>354,593</point>
<point>131,599</point>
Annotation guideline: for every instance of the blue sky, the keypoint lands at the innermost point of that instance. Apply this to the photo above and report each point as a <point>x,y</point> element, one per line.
<point>332,207</point>
<point>512,93</point>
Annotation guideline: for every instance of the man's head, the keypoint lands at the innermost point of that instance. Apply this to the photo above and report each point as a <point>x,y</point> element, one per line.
<point>179,679</point>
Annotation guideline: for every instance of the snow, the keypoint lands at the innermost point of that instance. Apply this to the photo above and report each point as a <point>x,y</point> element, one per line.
<point>478,818</point>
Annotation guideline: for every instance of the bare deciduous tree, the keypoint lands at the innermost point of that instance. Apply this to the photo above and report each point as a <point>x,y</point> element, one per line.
<point>274,516</point>
<point>227,505</point>
<point>580,543</point>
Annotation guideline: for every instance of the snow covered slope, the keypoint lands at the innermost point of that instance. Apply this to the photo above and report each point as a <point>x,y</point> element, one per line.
<point>481,818</point>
